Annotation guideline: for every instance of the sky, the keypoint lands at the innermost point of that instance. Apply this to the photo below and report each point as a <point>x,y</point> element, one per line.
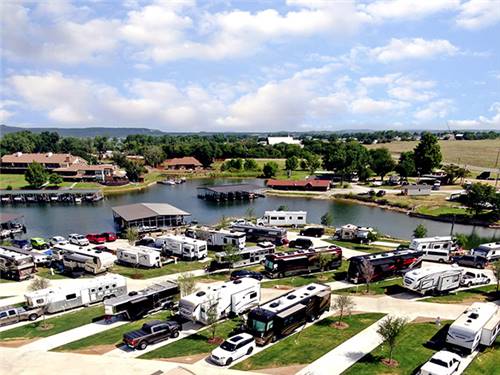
<point>294,65</point>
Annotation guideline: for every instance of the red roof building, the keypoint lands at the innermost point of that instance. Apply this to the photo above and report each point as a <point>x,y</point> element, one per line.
<point>186,162</point>
<point>309,184</point>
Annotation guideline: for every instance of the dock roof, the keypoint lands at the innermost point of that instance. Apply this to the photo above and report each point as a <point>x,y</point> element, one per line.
<point>138,211</point>
<point>247,188</point>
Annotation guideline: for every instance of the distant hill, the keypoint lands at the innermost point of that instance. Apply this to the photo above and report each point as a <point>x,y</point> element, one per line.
<point>85,132</point>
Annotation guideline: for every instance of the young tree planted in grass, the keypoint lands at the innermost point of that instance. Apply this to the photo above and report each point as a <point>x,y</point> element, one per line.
<point>232,254</point>
<point>344,304</point>
<point>327,219</point>
<point>270,169</point>
<point>55,179</point>
<point>390,329</point>
<point>420,231</point>
<point>367,273</point>
<point>39,283</point>
<point>187,284</point>
<point>36,175</point>
<point>223,223</point>
<point>212,317</point>
<point>324,261</point>
<point>132,235</point>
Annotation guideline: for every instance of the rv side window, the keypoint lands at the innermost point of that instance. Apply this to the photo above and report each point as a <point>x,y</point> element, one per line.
<point>445,246</point>
<point>274,218</point>
<point>3,315</point>
<point>437,246</point>
<point>114,285</point>
<point>300,218</point>
<point>100,288</point>
<point>39,301</point>
<point>70,296</point>
<point>424,246</point>
<point>107,286</point>
<point>253,295</point>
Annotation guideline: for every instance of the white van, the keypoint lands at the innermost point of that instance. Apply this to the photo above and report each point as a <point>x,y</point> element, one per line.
<point>437,255</point>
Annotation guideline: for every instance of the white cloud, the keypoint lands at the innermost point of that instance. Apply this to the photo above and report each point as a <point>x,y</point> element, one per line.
<point>482,122</point>
<point>438,109</point>
<point>478,14</point>
<point>407,9</point>
<point>368,106</point>
<point>416,48</point>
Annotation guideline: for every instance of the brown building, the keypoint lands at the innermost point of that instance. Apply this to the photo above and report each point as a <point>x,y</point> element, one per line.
<point>99,172</point>
<point>187,162</point>
<point>309,184</point>
<point>18,162</point>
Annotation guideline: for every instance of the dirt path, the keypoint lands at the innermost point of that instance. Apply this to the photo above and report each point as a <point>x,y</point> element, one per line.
<point>282,370</point>
<point>96,350</point>
<point>189,359</point>
<point>16,343</point>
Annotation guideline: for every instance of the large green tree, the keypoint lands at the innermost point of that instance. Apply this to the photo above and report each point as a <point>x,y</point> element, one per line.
<point>134,170</point>
<point>427,154</point>
<point>381,161</point>
<point>406,164</point>
<point>479,197</point>
<point>55,179</point>
<point>292,163</point>
<point>347,158</point>
<point>36,175</point>
<point>454,172</point>
<point>270,169</point>
<point>154,155</point>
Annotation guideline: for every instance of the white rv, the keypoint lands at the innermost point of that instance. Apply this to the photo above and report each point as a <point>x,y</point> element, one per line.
<point>82,294</point>
<point>92,261</point>
<point>479,324</point>
<point>432,280</point>
<point>142,256</point>
<point>490,251</point>
<point>283,218</point>
<point>230,298</point>
<point>183,247</point>
<point>218,239</point>
<point>435,249</point>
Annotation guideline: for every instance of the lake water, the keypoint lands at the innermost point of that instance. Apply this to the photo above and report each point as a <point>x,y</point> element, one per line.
<point>57,219</point>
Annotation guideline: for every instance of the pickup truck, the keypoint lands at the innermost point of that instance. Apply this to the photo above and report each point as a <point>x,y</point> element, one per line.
<point>11,315</point>
<point>150,333</point>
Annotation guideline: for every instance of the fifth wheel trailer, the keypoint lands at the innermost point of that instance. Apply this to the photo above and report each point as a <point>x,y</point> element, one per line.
<point>283,315</point>
<point>16,266</point>
<point>433,280</point>
<point>218,239</point>
<point>181,246</point>
<point>141,256</point>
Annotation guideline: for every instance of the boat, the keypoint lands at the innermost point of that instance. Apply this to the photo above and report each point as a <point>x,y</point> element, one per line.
<point>18,199</point>
<point>54,198</point>
<point>78,200</point>
<point>167,182</point>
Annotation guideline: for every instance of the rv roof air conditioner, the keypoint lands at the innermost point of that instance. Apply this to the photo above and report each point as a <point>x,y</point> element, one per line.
<point>291,296</point>
<point>200,294</point>
<point>311,287</point>
<point>274,304</point>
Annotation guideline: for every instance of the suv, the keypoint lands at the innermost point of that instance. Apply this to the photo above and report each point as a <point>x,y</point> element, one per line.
<point>241,274</point>
<point>475,261</point>
<point>301,243</point>
<point>39,243</point>
<point>78,239</point>
<point>312,232</point>
<point>95,238</point>
<point>58,240</point>
<point>150,333</point>
<point>470,278</point>
<point>442,363</point>
<point>11,315</point>
<point>233,348</point>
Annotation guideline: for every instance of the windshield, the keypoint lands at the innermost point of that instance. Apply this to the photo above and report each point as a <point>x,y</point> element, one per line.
<point>481,252</point>
<point>438,362</point>
<point>269,264</point>
<point>257,325</point>
<point>226,345</point>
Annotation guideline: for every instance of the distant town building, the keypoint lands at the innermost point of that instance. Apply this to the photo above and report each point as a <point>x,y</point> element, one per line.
<point>187,162</point>
<point>137,158</point>
<point>19,162</point>
<point>308,184</point>
<point>98,172</point>
<point>288,140</point>
<point>414,190</point>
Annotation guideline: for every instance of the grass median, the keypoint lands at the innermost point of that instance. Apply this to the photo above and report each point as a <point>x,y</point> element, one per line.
<point>309,345</point>
<point>148,273</point>
<point>389,287</point>
<point>54,325</point>
<point>482,294</point>
<point>486,362</point>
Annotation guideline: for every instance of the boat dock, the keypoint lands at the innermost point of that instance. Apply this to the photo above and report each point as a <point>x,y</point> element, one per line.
<point>50,196</point>
<point>233,192</point>
<point>11,224</point>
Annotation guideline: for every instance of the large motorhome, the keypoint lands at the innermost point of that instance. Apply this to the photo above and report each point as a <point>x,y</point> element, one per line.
<point>136,305</point>
<point>490,251</point>
<point>84,293</point>
<point>16,266</point>
<point>141,256</point>
<point>96,261</point>
<point>186,248</point>
<point>257,233</point>
<point>433,280</point>
<point>283,315</point>
<point>231,298</point>
<point>385,264</point>
<point>479,324</point>
<point>246,257</point>
<point>40,259</point>
<point>283,218</point>
<point>217,239</point>
<point>302,261</point>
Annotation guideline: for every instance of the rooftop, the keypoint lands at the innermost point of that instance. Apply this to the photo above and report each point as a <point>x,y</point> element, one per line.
<point>298,183</point>
<point>138,211</point>
<point>247,188</point>
<point>48,157</point>
<point>186,160</point>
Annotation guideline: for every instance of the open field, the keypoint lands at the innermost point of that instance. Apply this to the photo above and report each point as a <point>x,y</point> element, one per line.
<point>55,325</point>
<point>111,337</point>
<point>308,345</point>
<point>410,352</point>
<point>487,362</point>
<point>481,154</point>
<point>282,173</point>
<point>194,344</point>
<point>481,294</point>
<point>142,273</point>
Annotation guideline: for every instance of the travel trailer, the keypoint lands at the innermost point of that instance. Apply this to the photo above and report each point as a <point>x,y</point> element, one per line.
<point>82,294</point>
<point>283,315</point>
<point>186,248</point>
<point>246,257</point>
<point>351,232</point>
<point>433,280</point>
<point>40,258</point>
<point>490,251</point>
<point>479,324</point>
<point>385,264</point>
<point>136,305</point>
<point>231,298</point>
<point>142,256</point>
<point>96,261</point>
<point>428,243</point>
<point>283,218</point>
<point>301,261</point>
<point>217,239</point>
<point>257,233</point>
<point>16,266</point>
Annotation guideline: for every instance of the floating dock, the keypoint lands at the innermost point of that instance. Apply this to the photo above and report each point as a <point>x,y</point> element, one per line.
<point>50,196</point>
<point>234,192</point>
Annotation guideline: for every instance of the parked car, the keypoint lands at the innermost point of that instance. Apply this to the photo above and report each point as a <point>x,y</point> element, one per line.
<point>150,333</point>
<point>109,236</point>
<point>312,232</point>
<point>380,193</point>
<point>233,348</point>
<point>39,243</point>
<point>145,241</point>
<point>240,222</point>
<point>22,244</point>
<point>470,278</point>
<point>11,315</point>
<point>475,261</point>
<point>96,238</point>
<point>78,239</point>
<point>241,274</point>
<point>58,240</point>
<point>103,248</point>
<point>301,243</point>
<point>441,363</point>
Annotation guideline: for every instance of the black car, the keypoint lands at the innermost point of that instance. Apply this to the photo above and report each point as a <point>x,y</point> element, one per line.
<point>240,274</point>
<point>146,241</point>
<point>475,261</point>
<point>301,243</point>
<point>312,232</point>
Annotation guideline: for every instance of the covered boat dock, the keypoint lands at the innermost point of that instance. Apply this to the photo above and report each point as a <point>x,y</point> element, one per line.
<point>221,193</point>
<point>47,195</point>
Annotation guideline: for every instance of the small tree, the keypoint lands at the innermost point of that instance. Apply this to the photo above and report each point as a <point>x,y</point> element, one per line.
<point>250,165</point>
<point>390,329</point>
<point>292,163</point>
<point>187,284</point>
<point>478,197</point>
<point>344,304</point>
<point>212,317</point>
<point>39,283</point>
<point>55,179</point>
<point>496,272</point>
<point>420,231</point>
<point>367,273</point>
<point>282,207</point>
<point>270,169</point>
<point>327,219</point>
<point>223,222</point>
<point>324,260</point>
<point>232,254</point>
<point>132,235</point>
<point>36,175</point>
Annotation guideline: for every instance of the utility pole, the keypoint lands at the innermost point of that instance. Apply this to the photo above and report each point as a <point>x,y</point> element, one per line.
<point>496,167</point>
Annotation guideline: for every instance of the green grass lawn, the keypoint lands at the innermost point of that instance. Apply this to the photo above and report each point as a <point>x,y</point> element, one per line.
<point>46,274</point>
<point>16,181</point>
<point>487,362</point>
<point>410,352</point>
<point>483,293</point>
<point>359,247</point>
<point>392,286</point>
<point>312,343</point>
<point>194,344</point>
<point>57,324</point>
<point>321,277</point>
<point>147,273</point>
<point>112,336</point>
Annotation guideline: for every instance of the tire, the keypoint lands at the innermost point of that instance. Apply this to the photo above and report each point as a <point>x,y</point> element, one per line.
<point>479,267</point>
<point>469,285</point>
<point>250,350</point>
<point>441,260</point>
<point>487,281</point>
<point>174,334</point>
<point>229,361</point>
<point>32,317</point>
<point>143,345</point>
<point>274,339</point>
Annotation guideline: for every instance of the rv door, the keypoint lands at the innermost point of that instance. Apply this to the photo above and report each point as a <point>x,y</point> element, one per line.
<point>93,295</point>
<point>85,297</point>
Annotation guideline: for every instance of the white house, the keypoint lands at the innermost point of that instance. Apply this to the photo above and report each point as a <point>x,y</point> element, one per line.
<point>288,140</point>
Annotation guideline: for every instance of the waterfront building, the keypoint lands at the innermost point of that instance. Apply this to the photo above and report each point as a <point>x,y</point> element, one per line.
<point>19,162</point>
<point>308,184</point>
<point>184,163</point>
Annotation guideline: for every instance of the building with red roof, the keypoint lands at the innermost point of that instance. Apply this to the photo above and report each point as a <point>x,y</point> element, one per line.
<point>308,184</point>
<point>186,162</point>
